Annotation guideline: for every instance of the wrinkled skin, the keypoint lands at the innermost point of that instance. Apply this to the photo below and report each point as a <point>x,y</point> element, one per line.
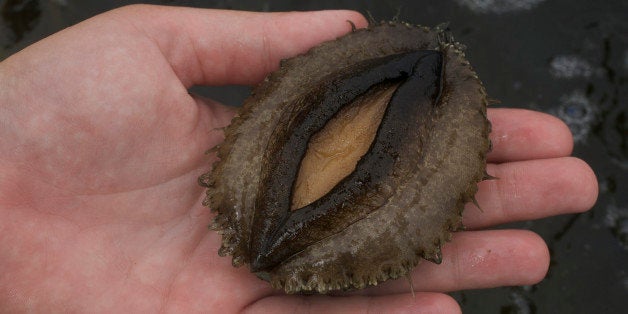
<point>101,145</point>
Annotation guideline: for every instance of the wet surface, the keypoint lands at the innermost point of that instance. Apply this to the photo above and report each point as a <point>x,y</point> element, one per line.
<point>566,58</point>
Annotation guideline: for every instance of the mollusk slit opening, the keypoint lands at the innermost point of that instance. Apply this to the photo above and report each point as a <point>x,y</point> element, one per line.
<point>278,231</point>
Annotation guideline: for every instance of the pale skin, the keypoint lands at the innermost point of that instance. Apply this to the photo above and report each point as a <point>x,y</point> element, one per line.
<point>101,146</point>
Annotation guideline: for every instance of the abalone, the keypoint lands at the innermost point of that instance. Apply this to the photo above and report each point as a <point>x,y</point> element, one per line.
<point>352,162</point>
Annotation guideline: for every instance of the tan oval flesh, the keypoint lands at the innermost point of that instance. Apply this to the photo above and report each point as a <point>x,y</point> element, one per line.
<point>334,151</point>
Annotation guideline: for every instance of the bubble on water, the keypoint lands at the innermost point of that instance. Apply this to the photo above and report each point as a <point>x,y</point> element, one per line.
<point>616,218</point>
<point>499,6</point>
<point>578,113</point>
<point>570,66</point>
<point>520,303</point>
<point>517,85</point>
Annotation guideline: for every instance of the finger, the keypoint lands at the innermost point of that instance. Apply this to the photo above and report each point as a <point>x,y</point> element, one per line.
<point>424,302</point>
<point>533,189</point>
<point>478,259</point>
<point>216,47</point>
<point>519,134</point>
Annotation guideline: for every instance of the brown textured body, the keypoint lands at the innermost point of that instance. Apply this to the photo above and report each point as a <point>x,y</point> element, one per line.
<point>415,209</point>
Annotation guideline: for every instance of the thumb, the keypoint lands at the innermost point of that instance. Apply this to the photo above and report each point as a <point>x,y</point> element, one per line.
<point>218,47</point>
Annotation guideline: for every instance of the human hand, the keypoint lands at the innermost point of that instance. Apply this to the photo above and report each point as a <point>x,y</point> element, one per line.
<point>101,146</point>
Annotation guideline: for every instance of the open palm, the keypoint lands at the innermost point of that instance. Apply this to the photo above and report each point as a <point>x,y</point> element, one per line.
<point>101,146</point>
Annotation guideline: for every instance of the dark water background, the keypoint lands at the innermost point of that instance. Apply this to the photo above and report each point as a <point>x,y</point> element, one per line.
<point>567,58</point>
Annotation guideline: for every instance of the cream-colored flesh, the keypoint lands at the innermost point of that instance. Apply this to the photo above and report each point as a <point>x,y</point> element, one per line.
<point>334,151</point>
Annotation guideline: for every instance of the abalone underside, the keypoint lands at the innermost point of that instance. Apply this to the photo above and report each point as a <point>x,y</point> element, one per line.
<point>410,214</point>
